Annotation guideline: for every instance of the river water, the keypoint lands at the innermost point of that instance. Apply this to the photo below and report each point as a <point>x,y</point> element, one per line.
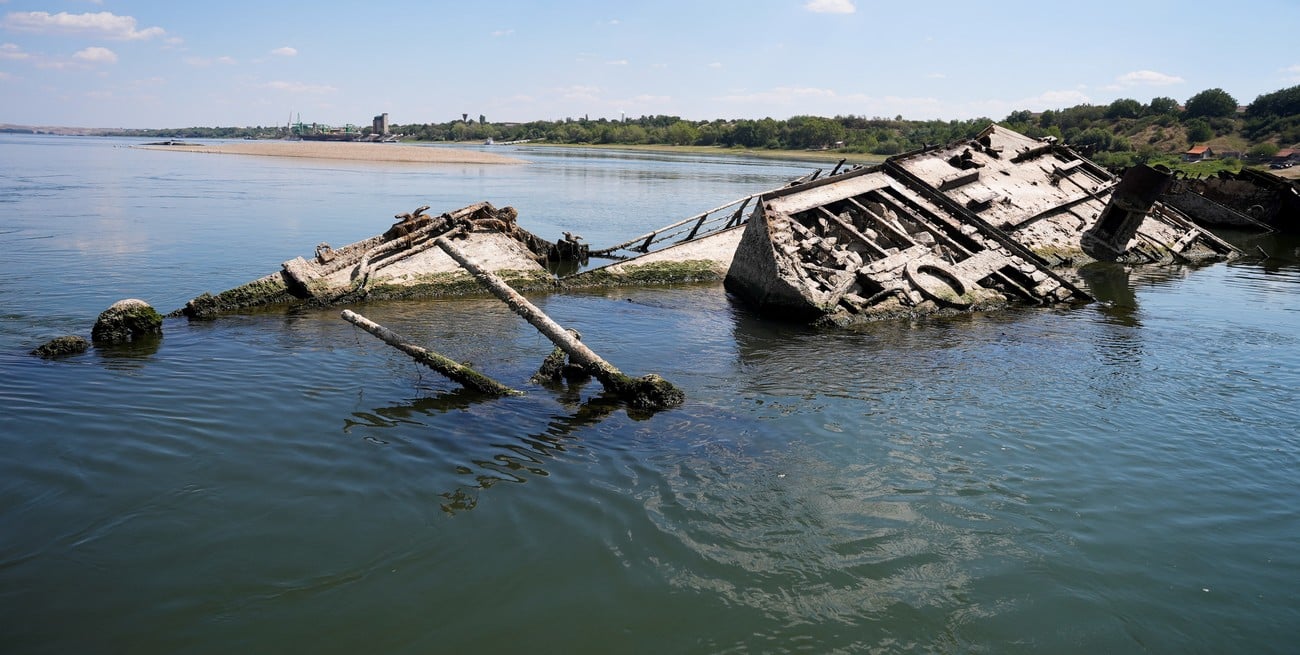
<point>1120,477</point>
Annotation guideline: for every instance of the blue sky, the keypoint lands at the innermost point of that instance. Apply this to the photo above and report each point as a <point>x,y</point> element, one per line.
<point>107,63</point>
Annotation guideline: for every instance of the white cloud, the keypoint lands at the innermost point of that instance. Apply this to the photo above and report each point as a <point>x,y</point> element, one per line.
<point>999,107</point>
<point>617,62</point>
<point>208,61</point>
<point>1148,78</point>
<point>583,93</point>
<point>1292,73</point>
<point>830,6</point>
<point>936,76</point>
<point>716,64</point>
<point>286,51</point>
<point>499,33</point>
<point>782,96</point>
<point>829,102</point>
<point>5,76</point>
<point>96,55</point>
<point>299,87</point>
<point>103,24</point>
<point>12,51</point>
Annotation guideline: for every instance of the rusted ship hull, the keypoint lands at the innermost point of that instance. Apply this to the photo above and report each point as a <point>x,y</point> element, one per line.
<point>864,246</point>
<point>1248,200</point>
<point>971,225</point>
<point>998,219</point>
<point>400,263</point>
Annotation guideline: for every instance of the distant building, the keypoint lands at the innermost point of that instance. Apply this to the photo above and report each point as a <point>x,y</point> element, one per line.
<point>1198,153</point>
<point>380,125</point>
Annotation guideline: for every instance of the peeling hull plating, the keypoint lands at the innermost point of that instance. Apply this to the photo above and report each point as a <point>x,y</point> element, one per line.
<point>976,224</point>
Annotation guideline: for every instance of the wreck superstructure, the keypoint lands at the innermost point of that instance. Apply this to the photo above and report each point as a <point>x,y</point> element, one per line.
<point>400,263</point>
<point>864,244</point>
<point>1051,200</point>
<point>1248,200</point>
<point>980,223</point>
<point>974,224</point>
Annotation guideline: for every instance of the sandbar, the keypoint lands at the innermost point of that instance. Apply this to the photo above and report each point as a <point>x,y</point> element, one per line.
<point>380,152</point>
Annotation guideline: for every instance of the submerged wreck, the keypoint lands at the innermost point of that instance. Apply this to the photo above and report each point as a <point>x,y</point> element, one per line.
<point>975,224</point>
<point>400,263</point>
<point>996,219</point>
<point>404,262</point>
<point>1248,200</point>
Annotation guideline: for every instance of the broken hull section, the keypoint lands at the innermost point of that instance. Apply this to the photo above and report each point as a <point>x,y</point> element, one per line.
<point>1248,200</point>
<point>976,224</point>
<point>1048,198</point>
<point>400,263</point>
<point>863,246</point>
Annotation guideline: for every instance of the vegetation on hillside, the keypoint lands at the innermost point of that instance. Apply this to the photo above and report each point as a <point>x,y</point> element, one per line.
<point>1120,134</point>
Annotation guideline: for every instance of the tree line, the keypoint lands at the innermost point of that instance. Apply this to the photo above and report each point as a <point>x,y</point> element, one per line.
<point>1121,133</point>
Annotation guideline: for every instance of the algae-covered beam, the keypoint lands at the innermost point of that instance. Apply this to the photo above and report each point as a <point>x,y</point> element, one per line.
<point>648,392</point>
<point>457,372</point>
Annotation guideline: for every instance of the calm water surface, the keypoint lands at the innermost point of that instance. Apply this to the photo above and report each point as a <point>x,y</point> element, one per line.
<point>1120,477</point>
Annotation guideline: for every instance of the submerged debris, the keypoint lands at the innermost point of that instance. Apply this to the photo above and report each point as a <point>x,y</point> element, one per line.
<point>649,392</point>
<point>126,320</point>
<point>62,347</point>
<point>971,225</point>
<point>978,223</point>
<point>466,376</point>
<point>400,263</point>
<point>1246,200</point>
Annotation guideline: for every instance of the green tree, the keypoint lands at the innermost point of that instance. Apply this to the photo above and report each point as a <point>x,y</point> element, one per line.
<point>1211,103</point>
<point>1020,117</point>
<point>1199,130</point>
<point>1285,102</point>
<point>1094,138</point>
<point>1124,108</point>
<point>681,133</point>
<point>1162,106</point>
<point>1265,150</point>
<point>812,132</point>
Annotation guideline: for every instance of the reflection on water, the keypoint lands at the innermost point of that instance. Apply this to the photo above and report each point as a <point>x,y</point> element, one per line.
<point>515,460</point>
<point>1117,477</point>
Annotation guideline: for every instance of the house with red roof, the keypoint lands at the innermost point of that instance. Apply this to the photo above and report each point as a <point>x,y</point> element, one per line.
<point>1198,153</point>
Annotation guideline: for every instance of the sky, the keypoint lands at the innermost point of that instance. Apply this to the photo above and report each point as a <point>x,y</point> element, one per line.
<point>182,63</point>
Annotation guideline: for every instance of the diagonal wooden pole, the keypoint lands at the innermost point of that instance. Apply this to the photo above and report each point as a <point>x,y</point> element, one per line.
<point>648,392</point>
<point>457,372</point>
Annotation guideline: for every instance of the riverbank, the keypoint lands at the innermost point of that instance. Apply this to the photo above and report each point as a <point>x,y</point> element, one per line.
<point>378,152</point>
<point>762,153</point>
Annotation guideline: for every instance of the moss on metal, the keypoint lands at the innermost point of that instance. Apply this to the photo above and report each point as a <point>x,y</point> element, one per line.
<point>269,290</point>
<point>458,283</point>
<point>62,347</point>
<point>656,273</point>
<point>126,320</point>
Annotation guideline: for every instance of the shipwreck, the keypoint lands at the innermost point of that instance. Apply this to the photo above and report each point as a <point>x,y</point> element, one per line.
<point>980,223</point>
<point>997,219</point>
<point>1248,200</point>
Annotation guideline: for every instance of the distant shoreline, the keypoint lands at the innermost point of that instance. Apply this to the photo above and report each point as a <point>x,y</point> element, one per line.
<point>720,151</point>
<point>376,152</point>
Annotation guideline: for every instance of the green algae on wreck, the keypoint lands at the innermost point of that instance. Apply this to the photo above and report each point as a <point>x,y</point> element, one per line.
<point>126,320</point>
<point>651,274</point>
<point>62,347</point>
<point>400,263</point>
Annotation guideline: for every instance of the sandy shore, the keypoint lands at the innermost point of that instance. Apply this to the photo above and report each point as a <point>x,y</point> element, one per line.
<point>381,152</point>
